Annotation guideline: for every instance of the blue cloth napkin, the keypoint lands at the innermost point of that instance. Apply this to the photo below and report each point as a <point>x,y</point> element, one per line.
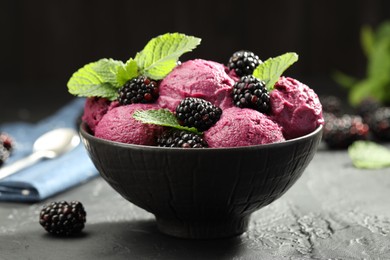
<point>51,176</point>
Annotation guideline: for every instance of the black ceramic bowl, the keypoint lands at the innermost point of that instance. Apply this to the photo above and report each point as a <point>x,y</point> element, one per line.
<point>201,193</point>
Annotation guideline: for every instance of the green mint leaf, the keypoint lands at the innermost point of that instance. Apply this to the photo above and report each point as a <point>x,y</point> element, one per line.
<point>161,54</point>
<point>270,70</point>
<point>162,117</point>
<point>96,79</point>
<point>369,155</point>
<point>127,71</point>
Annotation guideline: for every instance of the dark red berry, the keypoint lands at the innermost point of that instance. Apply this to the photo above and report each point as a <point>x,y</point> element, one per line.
<point>340,132</point>
<point>331,104</point>
<point>252,93</point>
<point>181,139</point>
<point>4,154</point>
<point>63,218</point>
<point>6,141</point>
<point>379,123</point>
<point>198,113</point>
<point>367,108</point>
<point>243,62</point>
<point>138,90</point>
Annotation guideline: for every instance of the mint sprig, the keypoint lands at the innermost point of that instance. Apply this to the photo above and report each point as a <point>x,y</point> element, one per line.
<point>127,71</point>
<point>161,54</point>
<point>103,77</point>
<point>369,155</point>
<point>161,117</point>
<point>270,70</point>
<point>96,79</point>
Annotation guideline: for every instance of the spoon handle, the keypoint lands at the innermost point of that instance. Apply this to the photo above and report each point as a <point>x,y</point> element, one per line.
<point>20,164</point>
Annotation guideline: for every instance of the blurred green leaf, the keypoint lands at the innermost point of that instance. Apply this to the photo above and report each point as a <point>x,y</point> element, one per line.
<point>367,88</point>
<point>369,155</point>
<point>367,40</point>
<point>378,66</point>
<point>383,31</point>
<point>344,80</point>
<point>376,84</point>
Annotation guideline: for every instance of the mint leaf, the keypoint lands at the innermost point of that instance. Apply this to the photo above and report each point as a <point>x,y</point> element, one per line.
<point>270,70</point>
<point>161,54</point>
<point>162,117</point>
<point>127,71</point>
<point>369,155</point>
<point>96,79</point>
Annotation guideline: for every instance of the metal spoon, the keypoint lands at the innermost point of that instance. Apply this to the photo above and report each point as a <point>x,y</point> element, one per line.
<point>48,146</point>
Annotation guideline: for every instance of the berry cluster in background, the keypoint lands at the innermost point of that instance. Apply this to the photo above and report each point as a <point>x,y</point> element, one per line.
<point>370,120</point>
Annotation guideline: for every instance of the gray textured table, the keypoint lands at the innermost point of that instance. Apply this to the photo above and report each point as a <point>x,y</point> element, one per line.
<point>334,211</point>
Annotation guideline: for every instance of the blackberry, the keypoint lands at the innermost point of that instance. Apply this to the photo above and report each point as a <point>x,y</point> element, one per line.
<point>243,62</point>
<point>6,141</point>
<point>63,218</point>
<point>198,113</point>
<point>251,92</point>
<point>340,132</point>
<point>379,123</point>
<point>180,138</point>
<point>331,104</point>
<point>138,90</point>
<point>4,154</point>
<point>366,108</point>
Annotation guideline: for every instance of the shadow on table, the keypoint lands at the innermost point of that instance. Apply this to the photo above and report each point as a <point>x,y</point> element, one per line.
<point>141,239</point>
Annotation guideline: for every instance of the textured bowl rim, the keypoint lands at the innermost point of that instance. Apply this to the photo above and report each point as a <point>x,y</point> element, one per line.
<point>84,133</point>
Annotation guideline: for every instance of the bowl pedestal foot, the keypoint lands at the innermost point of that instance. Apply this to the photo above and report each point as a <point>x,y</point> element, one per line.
<point>206,229</point>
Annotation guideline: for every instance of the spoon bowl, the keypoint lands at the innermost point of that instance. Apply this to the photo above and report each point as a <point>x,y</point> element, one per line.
<point>56,142</point>
<point>48,146</point>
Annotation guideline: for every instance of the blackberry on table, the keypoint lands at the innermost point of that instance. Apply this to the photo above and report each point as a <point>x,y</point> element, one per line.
<point>180,138</point>
<point>63,218</point>
<point>340,132</point>
<point>138,90</point>
<point>379,123</point>
<point>243,62</point>
<point>198,113</point>
<point>252,93</point>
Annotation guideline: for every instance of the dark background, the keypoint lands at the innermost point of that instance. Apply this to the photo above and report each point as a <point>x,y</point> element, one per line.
<point>44,42</point>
